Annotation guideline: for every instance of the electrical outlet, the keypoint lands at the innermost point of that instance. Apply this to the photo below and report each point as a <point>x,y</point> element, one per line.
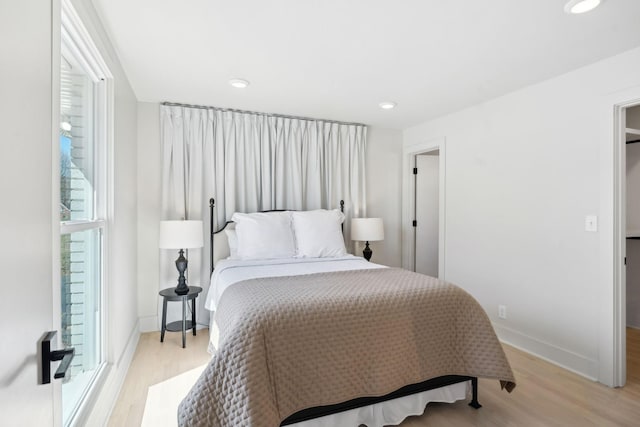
<point>502,311</point>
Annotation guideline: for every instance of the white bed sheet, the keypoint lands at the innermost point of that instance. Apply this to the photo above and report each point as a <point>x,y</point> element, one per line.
<point>392,412</point>
<point>230,271</point>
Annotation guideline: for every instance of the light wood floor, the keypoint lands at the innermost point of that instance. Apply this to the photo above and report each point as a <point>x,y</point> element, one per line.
<point>546,395</point>
<point>152,363</point>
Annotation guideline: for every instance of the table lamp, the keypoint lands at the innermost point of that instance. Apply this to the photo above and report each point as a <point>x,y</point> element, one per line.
<point>181,235</point>
<point>367,230</point>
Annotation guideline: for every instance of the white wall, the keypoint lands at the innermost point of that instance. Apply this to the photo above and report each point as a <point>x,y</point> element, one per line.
<point>384,198</point>
<point>149,203</point>
<point>522,172</point>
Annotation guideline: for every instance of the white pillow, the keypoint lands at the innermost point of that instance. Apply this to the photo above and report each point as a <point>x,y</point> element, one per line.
<point>232,239</point>
<point>318,233</point>
<point>264,235</point>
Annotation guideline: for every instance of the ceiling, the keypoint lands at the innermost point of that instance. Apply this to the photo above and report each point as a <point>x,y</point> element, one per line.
<point>337,59</point>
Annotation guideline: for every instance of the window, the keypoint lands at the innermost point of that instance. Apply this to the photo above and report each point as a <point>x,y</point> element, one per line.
<point>83,224</point>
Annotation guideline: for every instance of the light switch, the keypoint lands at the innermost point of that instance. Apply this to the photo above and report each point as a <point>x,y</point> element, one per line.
<point>591,223</point>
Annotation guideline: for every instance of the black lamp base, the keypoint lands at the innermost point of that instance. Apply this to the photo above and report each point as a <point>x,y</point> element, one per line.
<point>367,252</point>
<point>181,265</point>
<point>182,290</point>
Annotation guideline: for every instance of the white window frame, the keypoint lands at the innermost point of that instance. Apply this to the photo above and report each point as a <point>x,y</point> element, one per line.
<point>75,37</point>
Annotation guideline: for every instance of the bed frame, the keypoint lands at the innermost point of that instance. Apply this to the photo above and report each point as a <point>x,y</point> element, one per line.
<point>320,411</point>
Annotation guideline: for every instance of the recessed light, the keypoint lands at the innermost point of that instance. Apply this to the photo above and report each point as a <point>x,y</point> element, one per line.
<point>387,105</point>
<point>581,6</point>
<point>65,126</point>
<point>239,83</point>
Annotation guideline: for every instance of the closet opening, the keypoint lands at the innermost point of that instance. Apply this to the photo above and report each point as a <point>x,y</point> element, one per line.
<point>423,207</point>
<point>631,178</point>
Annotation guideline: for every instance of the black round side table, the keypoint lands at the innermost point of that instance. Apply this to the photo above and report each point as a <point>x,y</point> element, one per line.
<point>169,294</point>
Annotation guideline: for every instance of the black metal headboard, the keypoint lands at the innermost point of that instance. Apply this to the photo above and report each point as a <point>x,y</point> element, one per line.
<point>212,204</point>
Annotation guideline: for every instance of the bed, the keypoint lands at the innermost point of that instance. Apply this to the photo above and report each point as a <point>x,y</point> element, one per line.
<point>309,336</point>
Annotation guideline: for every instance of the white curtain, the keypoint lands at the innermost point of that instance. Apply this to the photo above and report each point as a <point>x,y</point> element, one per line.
<point>251,162</point>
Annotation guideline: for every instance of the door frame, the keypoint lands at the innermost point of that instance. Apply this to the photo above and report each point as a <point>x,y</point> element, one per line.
<point>619,365</point>
<point>56,297</point>
<point>618,375</point>
<point>408,202</point>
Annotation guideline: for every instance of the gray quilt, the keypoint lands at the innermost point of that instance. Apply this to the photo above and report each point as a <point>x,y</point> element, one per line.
<point>290,343</point>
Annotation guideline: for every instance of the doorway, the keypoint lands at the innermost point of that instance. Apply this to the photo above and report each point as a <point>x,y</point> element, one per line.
<point>429,213</point>
<point>426,224</point>
<point>631,175</point>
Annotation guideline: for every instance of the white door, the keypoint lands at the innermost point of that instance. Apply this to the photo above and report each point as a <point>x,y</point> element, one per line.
<point>26,210</point>
<point>427,209</point>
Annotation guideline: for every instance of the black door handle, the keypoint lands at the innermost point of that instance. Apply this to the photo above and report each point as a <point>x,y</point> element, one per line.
<point>67,356</point>
<point>47,356</point>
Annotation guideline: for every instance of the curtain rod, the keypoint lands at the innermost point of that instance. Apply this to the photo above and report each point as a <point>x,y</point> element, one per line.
<point>283,116</point>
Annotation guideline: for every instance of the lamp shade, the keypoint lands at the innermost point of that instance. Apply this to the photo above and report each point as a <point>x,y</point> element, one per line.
<point>181,234</point>
<point>367,229</point>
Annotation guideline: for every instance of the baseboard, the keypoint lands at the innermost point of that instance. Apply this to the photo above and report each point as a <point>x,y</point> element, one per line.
<point>558,356</point>
<point>106,399</point>
<point>149,324</point>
